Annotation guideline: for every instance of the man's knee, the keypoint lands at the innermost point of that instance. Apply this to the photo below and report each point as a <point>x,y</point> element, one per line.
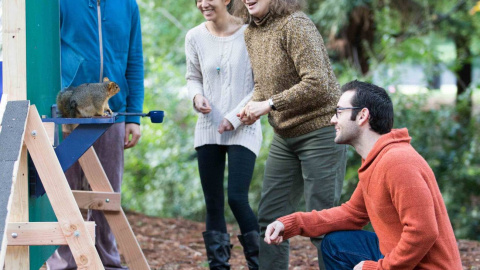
<point>331,242</point>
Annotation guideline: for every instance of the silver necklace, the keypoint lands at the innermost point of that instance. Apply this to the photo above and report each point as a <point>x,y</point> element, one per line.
<point>221,58</point>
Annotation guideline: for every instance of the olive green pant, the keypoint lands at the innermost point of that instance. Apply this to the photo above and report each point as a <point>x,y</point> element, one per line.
<point>312,165</point>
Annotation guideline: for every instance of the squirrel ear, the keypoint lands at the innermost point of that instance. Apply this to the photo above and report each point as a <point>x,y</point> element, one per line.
<point>106,79</point>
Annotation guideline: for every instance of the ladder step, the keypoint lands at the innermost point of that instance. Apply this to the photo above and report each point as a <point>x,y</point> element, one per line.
<point>106,201</point>
<point>40,233</point>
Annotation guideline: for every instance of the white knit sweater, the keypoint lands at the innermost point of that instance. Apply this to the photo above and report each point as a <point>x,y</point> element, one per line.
<point>219,69</point>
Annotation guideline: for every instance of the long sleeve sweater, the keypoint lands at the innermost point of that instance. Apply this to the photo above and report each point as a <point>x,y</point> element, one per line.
<point>398,193</point>
<point>291,66</point>
<point>219,69</point>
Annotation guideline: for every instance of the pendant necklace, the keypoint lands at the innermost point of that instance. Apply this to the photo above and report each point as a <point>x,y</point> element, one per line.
<point>221,58</point>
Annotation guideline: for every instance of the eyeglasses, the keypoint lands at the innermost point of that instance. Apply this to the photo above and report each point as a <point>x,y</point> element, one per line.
<point>345,108</point>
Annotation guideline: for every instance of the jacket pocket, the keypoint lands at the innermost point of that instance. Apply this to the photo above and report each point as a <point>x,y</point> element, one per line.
<point>71,63</point>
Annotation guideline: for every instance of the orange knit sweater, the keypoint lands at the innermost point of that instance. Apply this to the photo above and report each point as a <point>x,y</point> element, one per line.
<point>399,195</point>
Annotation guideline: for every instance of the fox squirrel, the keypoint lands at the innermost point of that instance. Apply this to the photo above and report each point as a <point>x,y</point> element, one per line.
<point>87,100</point>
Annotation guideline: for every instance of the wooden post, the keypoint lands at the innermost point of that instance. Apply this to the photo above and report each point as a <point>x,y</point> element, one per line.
<point>15,86</point>
<point>14,50</point>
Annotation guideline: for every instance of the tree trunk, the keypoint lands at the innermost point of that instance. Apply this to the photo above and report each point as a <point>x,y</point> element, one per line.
<point>464,78</point>
<point>355,39</point>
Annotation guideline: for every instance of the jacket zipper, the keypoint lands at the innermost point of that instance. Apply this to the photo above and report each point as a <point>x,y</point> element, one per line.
<point>100,39</point>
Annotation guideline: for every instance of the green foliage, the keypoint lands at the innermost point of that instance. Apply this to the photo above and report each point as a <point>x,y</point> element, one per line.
<point>161,176</point>
<point>160,172</point>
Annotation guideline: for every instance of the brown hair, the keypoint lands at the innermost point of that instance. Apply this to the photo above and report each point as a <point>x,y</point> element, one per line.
<point>277,8</point>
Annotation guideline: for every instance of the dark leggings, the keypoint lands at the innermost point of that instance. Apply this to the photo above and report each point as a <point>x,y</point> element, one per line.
<point>211,165</point>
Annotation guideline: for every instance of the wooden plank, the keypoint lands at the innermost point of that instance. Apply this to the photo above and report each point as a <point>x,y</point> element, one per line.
<point>118,222</point>
<point>107,201</point>
<point>40,233</point>
<point>50,129</point>
<point>19,257</point>
<point>14,50</point>
<point>59,193</point>
<point>3,105</point>
<point>11,159</point>
<point>94,172</point>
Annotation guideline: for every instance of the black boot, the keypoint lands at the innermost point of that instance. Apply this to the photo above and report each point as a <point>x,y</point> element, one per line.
<point>250,243</point>
<point>218,249</point>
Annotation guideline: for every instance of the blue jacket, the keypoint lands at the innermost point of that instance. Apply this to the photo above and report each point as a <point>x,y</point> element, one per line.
<point>88,57</point>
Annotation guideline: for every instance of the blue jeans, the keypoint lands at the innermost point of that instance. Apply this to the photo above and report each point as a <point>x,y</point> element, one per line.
<point>345,249</point>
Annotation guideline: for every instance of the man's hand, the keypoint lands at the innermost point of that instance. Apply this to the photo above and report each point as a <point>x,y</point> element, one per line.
<point>201,104</point>
<point>274,233</point>
<point>359,266</point>
<point>253,110</point>
<point>225,125</point>
<point>133,130</point>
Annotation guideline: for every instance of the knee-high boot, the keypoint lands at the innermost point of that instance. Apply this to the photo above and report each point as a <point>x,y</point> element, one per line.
<point>250,243</point>
<point>218,249</point>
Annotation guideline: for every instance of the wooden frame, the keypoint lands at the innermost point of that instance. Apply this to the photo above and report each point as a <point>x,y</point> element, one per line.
<point>70,228</point>
<point>117,220</point>
<point>70,220</point>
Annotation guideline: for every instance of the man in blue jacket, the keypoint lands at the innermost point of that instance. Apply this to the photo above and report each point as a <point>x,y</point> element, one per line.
<point>102,38</point>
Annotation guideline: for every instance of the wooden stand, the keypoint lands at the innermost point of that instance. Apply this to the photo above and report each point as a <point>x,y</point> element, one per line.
<point>70,229</point>
<point>103,198</point>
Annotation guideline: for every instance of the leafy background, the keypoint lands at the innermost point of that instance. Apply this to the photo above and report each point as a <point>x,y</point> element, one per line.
<point>161,177</point>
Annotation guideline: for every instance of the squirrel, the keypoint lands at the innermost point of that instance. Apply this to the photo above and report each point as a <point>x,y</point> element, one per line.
<point>87,100</point>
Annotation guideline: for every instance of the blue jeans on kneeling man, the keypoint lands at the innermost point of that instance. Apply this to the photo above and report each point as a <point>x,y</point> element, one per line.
<point>345,249</point>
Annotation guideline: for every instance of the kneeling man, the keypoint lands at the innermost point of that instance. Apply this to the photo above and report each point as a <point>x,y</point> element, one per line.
<point>397,192</point>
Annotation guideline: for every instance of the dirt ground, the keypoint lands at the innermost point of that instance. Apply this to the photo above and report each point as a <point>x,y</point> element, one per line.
<point>171,244</point>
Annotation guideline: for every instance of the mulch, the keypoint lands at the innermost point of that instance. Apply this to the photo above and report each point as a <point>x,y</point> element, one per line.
<point>171,244</point>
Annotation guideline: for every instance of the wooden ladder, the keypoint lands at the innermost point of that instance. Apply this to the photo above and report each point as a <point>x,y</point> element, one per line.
<point>22,131</point>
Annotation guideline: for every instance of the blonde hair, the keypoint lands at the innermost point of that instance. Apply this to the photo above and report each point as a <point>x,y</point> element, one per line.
<point>277,8</point>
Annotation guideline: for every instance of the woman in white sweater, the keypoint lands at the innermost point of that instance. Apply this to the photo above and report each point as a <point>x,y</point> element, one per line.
<point>220,82</point>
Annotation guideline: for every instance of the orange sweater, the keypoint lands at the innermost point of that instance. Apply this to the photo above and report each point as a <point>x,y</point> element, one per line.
<point>399,195</point>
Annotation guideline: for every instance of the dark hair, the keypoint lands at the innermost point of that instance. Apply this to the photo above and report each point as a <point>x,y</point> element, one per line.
<point>277,8</point>
<point>376,100</point>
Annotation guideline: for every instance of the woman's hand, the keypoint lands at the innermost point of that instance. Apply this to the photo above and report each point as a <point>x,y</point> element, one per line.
<point>225,125</point>
<point>201,104</point>
<point>253,110</point>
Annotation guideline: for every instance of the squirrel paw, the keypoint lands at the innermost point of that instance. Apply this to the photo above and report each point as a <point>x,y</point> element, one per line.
<point>108,113</point>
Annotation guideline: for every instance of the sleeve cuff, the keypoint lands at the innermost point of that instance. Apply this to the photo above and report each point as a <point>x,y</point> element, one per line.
<point>233,120</point>
<point>290,223</point>
<point>132,119</point>
<point>279,102</point>
<point>370,265</point>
